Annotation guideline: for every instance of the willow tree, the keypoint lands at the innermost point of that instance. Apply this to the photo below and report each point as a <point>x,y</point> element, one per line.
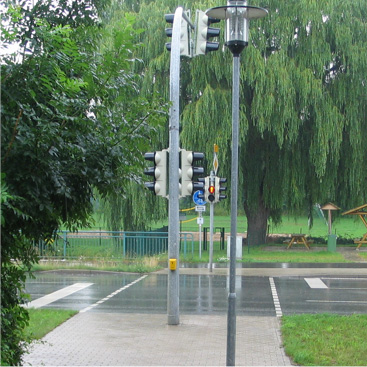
<point>302,103</point>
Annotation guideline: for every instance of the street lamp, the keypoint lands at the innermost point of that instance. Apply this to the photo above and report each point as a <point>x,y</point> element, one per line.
<point>237,16</point>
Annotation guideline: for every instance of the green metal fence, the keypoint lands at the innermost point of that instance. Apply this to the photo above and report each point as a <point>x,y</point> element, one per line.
<point>110,244</point>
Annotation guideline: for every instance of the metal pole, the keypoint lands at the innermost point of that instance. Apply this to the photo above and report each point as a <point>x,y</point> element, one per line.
<point>231,319</point>
<point>211,237</point>
<point>174,191</point>
<point>200,216</point>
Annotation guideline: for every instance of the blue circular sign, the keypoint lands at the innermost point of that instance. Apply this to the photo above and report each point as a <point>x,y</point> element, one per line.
<point>197,200</point>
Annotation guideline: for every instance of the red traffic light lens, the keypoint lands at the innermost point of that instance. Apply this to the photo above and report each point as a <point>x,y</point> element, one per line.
<point>211,189</point>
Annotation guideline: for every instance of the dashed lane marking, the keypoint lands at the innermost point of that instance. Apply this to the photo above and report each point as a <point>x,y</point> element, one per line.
<point>278,309</point>
<point>112,294</point>
<point>329,301</point>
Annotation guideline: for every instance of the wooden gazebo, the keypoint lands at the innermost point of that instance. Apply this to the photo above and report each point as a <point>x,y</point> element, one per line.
<point>361,211</point>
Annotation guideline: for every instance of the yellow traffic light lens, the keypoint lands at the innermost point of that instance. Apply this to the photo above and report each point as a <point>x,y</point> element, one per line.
<point>211,189</point>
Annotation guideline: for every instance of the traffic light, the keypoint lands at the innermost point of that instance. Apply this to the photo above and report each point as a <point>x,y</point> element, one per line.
<point>203,32</point>
<point>188,171</point>
<point>202,181</point>
<point>159,172</point>
<point>219,189</point>
<point>210,189</point>
<point>185,40</point>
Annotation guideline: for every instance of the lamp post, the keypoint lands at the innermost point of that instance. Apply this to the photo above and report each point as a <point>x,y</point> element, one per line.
<point>237,16</point>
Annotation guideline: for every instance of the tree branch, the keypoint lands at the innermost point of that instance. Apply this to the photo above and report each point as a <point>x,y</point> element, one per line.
<point>13,137</point>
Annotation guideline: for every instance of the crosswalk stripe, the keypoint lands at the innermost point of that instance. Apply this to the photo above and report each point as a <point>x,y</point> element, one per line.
<point>55,296</point>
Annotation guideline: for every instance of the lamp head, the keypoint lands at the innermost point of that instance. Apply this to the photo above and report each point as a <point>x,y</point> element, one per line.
<point>237,16</point>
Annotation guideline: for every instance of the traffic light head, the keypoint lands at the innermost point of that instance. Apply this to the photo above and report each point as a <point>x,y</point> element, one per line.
<point>219,189</point>
<point>211,194</point>
<point>188,171</point>
<point>185,35</point>
<point>203,33</point>
<point>158,172</point>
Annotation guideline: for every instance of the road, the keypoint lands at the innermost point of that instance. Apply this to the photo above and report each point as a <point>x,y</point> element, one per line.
<point>266,295</point>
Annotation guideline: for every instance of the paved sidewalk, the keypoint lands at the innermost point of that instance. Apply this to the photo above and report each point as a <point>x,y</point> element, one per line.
<point>111,339</point>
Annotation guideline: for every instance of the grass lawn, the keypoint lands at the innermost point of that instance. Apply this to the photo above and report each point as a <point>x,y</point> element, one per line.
<point>343,226</point>
<point>42,321</point>
<point>325,339</point>
<point>346,227</point>
<point>271,253</point>
<point>262,254</point>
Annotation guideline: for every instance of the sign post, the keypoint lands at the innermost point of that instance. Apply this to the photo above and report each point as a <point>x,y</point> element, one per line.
<point>212,179</point>
<point>200,208</point>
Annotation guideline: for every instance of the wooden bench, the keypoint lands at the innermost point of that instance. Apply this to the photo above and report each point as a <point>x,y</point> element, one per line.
<point>360,242</point>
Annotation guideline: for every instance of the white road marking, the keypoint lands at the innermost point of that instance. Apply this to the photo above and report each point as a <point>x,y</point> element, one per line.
<point>326,301</point>
<point>278,309</point>
<point>316,283</point>
<point>55,296</point>
<point>349,289</point>
<point>362,279</point>
<point>112,295</point>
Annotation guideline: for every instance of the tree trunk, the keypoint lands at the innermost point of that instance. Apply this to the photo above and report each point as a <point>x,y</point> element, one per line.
<point>257,221</point>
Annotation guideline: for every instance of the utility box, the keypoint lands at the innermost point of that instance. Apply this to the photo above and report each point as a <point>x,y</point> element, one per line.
<point>238,247</point>
<point>172,264</point>
<point>331,243</point>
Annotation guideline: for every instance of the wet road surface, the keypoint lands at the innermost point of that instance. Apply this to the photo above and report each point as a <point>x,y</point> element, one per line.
<point>199,294</point>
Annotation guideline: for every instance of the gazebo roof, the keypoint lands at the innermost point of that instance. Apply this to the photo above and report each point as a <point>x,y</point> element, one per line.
<point>330,206</point>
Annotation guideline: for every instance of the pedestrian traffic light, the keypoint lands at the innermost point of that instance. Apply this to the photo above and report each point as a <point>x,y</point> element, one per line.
<point>188,171</point>
<point>159,172</point>
<point>219,189</point>
<point>185,39</point>
<point>210,189</point>
<point>203,32</point>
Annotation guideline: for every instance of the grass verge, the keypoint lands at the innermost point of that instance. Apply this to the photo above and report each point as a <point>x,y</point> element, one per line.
<point>325,339</point>
<point>271,254</point>
<point>146,264</point>
<point>42,321</point>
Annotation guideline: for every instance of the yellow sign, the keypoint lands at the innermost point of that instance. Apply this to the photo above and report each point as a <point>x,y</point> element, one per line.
<point>215,161</point>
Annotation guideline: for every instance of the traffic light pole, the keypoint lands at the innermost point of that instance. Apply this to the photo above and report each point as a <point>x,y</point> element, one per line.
<point>173,313</point>
<point>212,177</point>
<point>211,237</point>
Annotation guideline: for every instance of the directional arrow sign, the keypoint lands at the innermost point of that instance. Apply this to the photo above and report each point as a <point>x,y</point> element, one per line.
<point>197,200</point>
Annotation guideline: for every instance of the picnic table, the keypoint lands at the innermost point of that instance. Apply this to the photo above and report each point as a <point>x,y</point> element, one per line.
<point>299,238</point>
<point>361,241</point>
<point>361,211</point>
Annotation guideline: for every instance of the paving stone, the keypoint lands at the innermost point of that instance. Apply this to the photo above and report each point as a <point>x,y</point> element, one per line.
<point>110,339</point>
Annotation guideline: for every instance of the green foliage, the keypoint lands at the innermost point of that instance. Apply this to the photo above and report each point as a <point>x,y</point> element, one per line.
<point>73,120</point>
